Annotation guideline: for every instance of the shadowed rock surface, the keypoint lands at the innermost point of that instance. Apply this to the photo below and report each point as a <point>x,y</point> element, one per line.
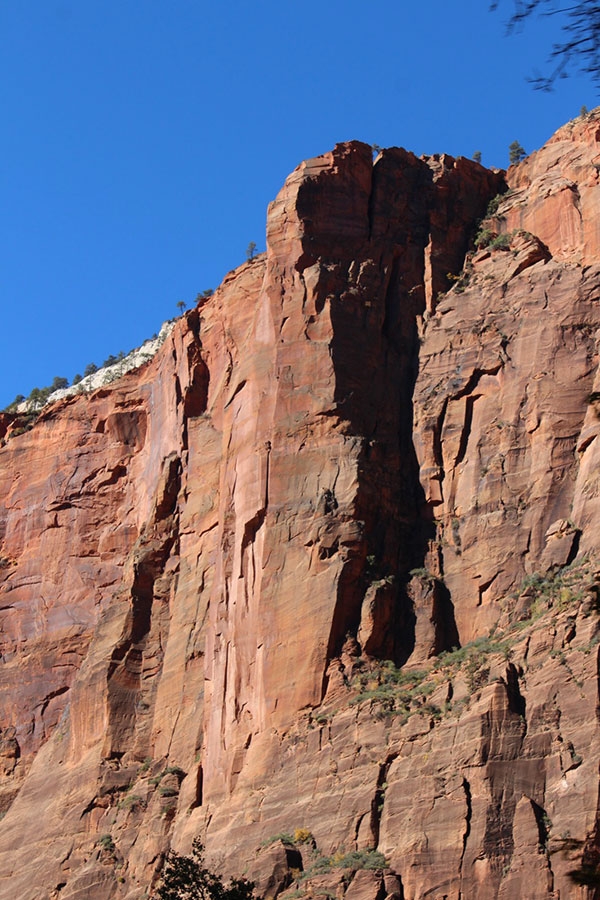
<point>319,582</point>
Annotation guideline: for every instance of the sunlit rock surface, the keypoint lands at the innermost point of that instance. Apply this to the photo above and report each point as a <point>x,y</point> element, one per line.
<point>319,581</point>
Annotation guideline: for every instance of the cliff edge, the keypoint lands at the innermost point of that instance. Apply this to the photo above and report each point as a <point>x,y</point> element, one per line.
<point>319,582</point>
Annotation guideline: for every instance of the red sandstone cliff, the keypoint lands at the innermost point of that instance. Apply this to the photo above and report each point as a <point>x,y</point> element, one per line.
<point>231,583</point>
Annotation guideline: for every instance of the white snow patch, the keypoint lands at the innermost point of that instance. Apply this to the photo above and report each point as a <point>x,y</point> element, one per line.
<point>107,374</point>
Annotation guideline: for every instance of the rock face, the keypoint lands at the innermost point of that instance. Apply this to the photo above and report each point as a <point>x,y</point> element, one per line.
<point>319,582</point>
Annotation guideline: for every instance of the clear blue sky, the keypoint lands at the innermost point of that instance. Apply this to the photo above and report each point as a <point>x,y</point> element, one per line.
<point>143,139</point>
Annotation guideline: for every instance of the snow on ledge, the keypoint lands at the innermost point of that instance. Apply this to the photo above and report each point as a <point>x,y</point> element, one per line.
<point>107,374</point>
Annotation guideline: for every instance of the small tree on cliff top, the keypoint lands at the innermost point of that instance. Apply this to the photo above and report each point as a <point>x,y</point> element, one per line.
<point>516,153</point>
<point>186,878</point>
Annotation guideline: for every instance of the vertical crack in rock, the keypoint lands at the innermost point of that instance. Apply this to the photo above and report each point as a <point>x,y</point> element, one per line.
<point>542,821</point>
<point>125,670</point>
<point>379,797</point>
<point>466,429</point>
<point>389,496</point>
<point>466,832</point>
<point>516,701</point>
<point>587,874</point>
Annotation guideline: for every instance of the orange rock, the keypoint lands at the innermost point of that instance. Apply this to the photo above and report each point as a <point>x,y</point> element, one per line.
<point>555,192</point>
<point>345,461</point>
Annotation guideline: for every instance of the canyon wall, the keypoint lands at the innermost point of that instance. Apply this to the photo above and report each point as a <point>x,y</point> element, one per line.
<point>319,583</point>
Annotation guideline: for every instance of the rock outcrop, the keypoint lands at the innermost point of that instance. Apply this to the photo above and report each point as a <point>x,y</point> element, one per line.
<point>319,582</point>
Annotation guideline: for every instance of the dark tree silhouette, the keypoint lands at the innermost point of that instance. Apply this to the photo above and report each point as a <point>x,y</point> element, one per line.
<point>186,878</point>
<point>579,49</point>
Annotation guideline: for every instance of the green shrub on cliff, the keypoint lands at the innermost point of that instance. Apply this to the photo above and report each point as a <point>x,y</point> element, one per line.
<point>369,859</point>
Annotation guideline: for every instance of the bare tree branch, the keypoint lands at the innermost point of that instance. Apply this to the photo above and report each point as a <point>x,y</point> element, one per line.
<point>579,51</point>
